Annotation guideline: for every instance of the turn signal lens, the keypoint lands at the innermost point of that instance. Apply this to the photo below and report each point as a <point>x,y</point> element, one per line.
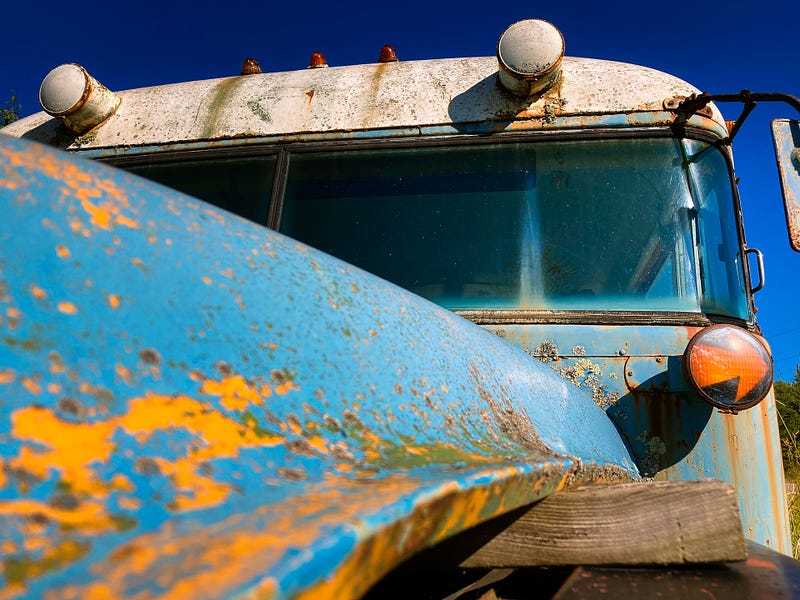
<point>728,367</point>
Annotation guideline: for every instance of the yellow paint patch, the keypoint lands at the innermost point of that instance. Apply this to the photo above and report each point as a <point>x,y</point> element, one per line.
<point>88,517</point>
<point>68,308</point>
<point>113,301</point>
<point>63,252</point>
<point>38,292</point>
<point>319,443</point>
<point>123,372</point>
<point>223,436</point>
<point>97,591</point>
<point>71,450</point>
<point>284,388</point>
<point>32,386</point>
<point>71,447</point>
<point>235,393</point>
<point>101,198</point>
<point>194,491</point>
<point>127,503</point>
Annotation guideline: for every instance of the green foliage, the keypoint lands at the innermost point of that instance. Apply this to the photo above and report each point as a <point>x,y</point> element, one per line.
<point>787,396</point>
<point>9,112</point>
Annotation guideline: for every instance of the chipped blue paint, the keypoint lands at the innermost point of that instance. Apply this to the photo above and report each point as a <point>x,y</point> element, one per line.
<point>191,401</point>
<point>640,119</point>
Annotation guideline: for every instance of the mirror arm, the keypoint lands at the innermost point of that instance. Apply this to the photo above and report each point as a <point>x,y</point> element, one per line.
<point>698,101</point>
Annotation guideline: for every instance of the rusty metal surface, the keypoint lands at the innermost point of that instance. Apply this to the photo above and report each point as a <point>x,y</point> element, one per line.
<point>195,406</point>
<point>786,135</point>
<point>348,102</point>
<point>635,373</point>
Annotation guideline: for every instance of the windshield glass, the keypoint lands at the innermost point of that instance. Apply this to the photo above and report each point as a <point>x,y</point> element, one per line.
<point>717,238</point>
<point>579,225</point>
<point>599,225</point>
<point>239,185</point>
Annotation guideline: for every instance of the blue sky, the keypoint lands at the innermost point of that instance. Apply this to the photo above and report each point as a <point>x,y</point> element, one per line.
<point>720,47</point>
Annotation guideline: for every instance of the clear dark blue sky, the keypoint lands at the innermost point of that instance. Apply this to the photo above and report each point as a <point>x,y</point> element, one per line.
<point>718,46</point>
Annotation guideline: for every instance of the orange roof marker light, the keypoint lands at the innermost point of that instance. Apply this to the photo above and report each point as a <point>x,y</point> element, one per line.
<point>728,367</point>
<point>317,60</point>
<point>250,66</point>
<point>387,54</point>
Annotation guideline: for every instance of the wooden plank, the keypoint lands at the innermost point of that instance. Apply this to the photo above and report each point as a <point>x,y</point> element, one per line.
<point>651,523</point>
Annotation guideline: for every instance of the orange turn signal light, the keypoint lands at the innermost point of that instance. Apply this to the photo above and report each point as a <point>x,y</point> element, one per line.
<point>728,367</point>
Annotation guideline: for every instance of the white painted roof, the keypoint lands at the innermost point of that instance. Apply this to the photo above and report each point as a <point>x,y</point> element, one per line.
<point>345,101</point>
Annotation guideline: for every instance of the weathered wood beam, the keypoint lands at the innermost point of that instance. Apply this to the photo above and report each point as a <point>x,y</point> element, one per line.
<point>649,523</point>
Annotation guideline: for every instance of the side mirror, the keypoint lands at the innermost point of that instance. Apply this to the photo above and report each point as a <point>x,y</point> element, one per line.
<point>786,135</point>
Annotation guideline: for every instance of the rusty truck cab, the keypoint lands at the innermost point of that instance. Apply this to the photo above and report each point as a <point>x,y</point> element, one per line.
<point>570,206</point>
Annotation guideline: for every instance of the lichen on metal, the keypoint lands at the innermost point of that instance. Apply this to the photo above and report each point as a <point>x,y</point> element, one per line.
<point>580,371</point>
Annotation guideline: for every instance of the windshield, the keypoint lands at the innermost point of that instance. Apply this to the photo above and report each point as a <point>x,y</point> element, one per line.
<point>594,225</point>
<point>611,224</point>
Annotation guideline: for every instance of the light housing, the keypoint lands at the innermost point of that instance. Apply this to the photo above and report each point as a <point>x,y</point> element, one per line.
<point>78,99</point>
<point>529,55</point>
<point>728,367</point>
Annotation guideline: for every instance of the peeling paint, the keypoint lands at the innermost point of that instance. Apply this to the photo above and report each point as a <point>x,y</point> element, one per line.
<point>176,423</point>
